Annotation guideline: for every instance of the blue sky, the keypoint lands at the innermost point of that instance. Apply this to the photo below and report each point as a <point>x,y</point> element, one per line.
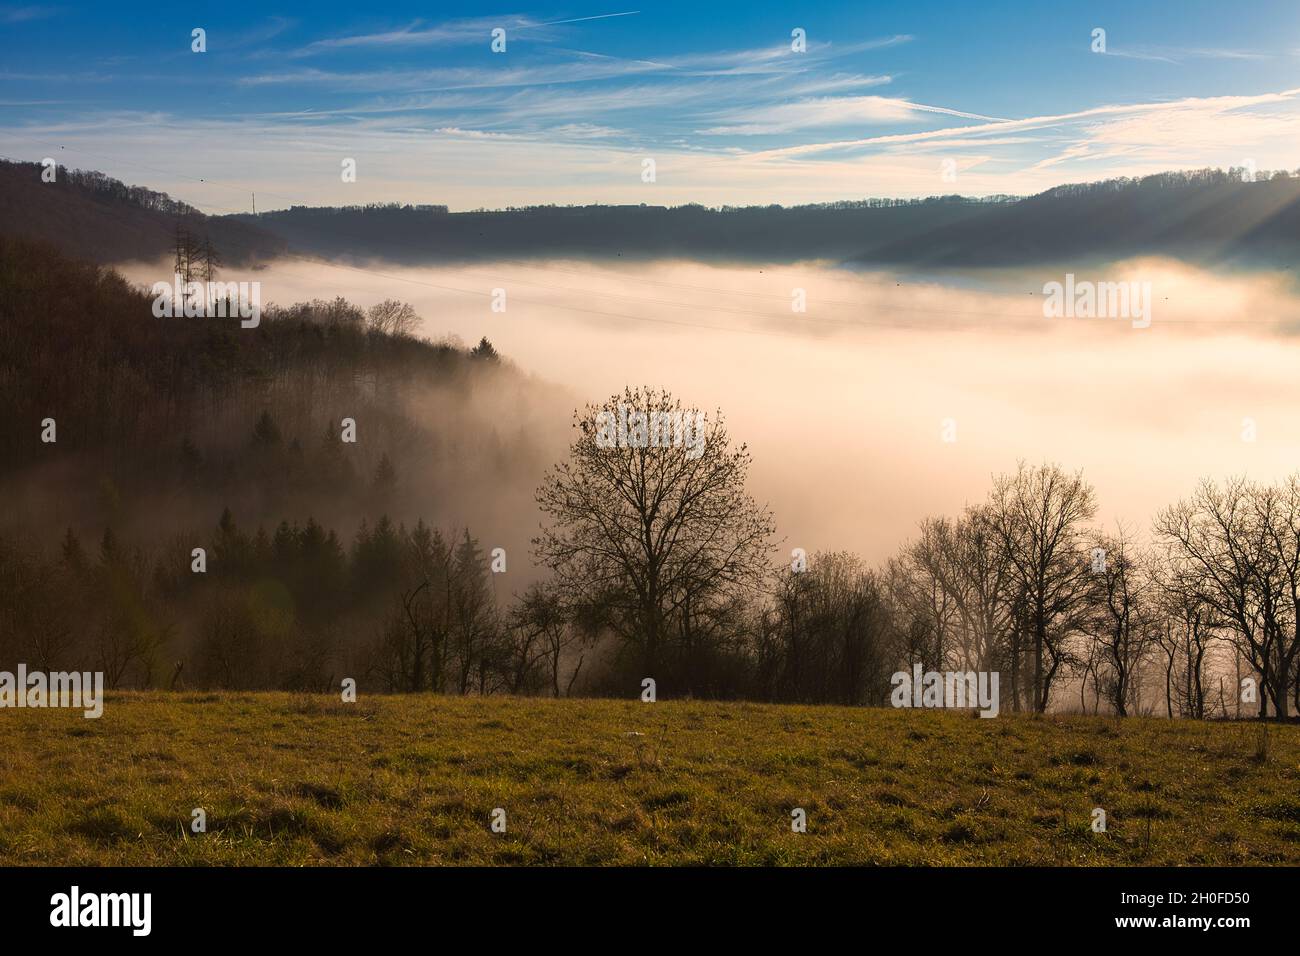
<point>888,99</point>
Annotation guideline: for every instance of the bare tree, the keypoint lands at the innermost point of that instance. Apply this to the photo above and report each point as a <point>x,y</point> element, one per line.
<point>1187,631</point>
<point>1038,513</point>
<point>964,562</point>
<point>1123,624</point>
<point>1277,510</point>
<point>392,318</point>
<point>1225,548</point>
<point>547,630</point>
<point>474,625</point>
<point>652,519</point>
<point>827,636</point>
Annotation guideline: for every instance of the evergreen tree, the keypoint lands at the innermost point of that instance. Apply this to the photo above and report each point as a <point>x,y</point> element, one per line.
<point>266,433</point>
<point>385,475</point>
<point>74,556</point>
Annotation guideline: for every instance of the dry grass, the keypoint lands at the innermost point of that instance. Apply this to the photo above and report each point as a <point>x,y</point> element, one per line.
<point>288,780</point>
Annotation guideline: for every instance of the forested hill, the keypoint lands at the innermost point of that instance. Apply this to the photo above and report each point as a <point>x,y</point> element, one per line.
<point>1211,217</point>
<point>94,217</point>
<point>323,458</point>
<point>159,421</point>
<point>1206,216</point>
<point>418,234</point>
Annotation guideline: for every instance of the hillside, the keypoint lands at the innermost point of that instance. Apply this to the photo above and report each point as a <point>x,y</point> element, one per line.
<point>294,780</point>
<point>414,235</point>
<point>278,448</point>
<point>94,217</point>
<point>169,406</point>
<point>1210,217</point>
<point>1206,216</point>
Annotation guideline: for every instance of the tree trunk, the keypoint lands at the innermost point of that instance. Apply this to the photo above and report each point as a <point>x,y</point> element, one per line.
<point>1038,664</point>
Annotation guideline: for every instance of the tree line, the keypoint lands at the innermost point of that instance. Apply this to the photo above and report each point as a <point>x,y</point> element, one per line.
<point>671,554</point>
<point>660,564</point>
<point>653,562</point>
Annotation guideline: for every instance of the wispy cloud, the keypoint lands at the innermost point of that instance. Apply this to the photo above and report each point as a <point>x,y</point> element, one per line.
<point>25,14</point>
<point>451,33</point>
<point>577,161</point>
<point>830,111</point>
<point>777,58</point>
<point>454,32</point>
<point>1199,107</point>
<point>452,78</point>
<point>561,119</point>
<point>1166,54</point>
<point>261,33</point>
<point>69,77</point>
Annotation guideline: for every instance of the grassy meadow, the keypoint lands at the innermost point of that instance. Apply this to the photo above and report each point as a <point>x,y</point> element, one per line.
<point>307,780</point>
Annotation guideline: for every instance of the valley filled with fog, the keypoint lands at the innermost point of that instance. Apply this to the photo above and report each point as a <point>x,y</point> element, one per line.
<point>846,406</point>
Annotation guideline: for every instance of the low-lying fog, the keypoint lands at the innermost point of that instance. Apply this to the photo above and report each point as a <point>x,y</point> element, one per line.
<point>844,405</point>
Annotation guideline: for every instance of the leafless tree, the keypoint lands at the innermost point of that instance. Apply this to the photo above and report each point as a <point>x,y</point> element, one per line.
<point>1188,630</point>
<point>648,527</point>
<point>546,629</point>
<point>964,565</point>
<point>1123,623</point>
<point>1236,547</point>
<point>392,318</point>
<point>1038,514</point>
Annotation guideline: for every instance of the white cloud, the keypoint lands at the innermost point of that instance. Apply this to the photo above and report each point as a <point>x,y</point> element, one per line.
<point>830,111</point>
<point>453,33</point>
<point>1165,54</point>
<point>25,14</point>
<point>1198,109</point>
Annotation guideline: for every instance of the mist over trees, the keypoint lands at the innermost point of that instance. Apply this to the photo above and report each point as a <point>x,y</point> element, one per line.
<point>661,565</point>
<point>204,520</point>
<point>1234,552</point>
<point>656,542</point>
<point>1234,216</point>
<point>314,444</point>
<point>172,420</point>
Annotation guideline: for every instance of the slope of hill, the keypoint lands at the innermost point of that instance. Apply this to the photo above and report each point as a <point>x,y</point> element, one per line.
<point>1209,216</point>
<point>201,413</point>
<point>93,217</point>
<point>413,235</point>
<point>128,440</point>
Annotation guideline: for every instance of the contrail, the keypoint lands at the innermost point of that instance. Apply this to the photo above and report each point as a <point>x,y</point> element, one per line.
<point>602,16</point>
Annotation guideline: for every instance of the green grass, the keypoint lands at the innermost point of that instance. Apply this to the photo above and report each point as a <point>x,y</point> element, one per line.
<point>291,780</point>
